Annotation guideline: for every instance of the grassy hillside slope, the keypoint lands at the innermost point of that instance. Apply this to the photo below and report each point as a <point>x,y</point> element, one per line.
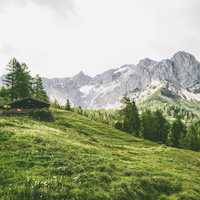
<point>74,158</point>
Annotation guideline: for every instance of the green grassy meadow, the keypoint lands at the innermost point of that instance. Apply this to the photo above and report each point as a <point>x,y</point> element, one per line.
<point>75,158</point>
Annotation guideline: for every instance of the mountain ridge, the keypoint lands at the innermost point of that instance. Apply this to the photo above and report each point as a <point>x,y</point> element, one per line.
<point>179,74</point>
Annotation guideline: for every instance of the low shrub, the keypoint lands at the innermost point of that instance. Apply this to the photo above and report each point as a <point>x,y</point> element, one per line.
<point>5,135</point>
<point>42,115</point>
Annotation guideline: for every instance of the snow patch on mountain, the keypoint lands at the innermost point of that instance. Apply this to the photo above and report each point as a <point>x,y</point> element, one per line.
<point>179,75</point>
<point>86,89</point>
<point>189,95</point>
<point>105,89</point>
<point>122,69</point>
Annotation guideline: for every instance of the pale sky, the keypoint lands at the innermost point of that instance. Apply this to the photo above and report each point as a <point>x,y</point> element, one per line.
<point>59,38</point>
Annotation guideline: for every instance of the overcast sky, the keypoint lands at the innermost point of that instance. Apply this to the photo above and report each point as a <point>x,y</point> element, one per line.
<point>58,38</point>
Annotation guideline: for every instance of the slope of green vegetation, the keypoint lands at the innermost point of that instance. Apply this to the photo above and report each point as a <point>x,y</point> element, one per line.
<point>75,158</point>
<point>172,105</point>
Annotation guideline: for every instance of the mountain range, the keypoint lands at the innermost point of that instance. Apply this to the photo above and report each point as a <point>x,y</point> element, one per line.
<point>178,76</point>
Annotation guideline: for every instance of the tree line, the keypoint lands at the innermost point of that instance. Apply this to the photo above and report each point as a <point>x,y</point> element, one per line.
<point>153,125</point>
<point>148,124</point>
<point>19,84</point>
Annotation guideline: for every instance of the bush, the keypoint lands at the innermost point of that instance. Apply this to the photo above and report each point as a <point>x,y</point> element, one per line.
<point>42,115</point>
<point>118,125</point>
<point>5,135</point>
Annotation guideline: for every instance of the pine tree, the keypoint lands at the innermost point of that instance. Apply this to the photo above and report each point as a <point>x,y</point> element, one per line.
<point>178,132</point>
<point>193,136</point>
<point>38,89</point>
<point>80,110</point>
<point>4,96</point>
<point>68,105</point>
<point>130,116</point>
<point>18,80</point>
<point>154,126</point>
<point>162,127</point>
<point>148,127</point>
<point>10,79</point>
<point>24,82</point>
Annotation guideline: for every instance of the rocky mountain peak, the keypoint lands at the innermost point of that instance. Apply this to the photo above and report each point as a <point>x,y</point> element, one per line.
<point>81,78</point>
<point>146,62</point>
<point>182,56</point>
<point>81,74</point>
<point>181,74</point>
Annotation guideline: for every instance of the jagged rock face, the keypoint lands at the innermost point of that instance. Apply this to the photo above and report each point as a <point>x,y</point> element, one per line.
<point>66,88</point>
<point>187,69</point>
<point>180,74</point>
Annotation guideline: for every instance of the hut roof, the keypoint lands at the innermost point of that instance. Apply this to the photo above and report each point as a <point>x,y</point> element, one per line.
<point>29,103</point>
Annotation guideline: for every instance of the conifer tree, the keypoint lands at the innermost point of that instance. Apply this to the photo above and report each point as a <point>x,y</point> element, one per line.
<point>10,79</point>
<point>148,126</point>
<point>68,105</point>
<point>18,80</point>
<point>178,132</point>
<point>80,110</point>
<point>4,95</point>
<point>162,127</point>
<point>193,136</point>
<point>38,89</point>
<point>154,126</point>
<point>130,116</point>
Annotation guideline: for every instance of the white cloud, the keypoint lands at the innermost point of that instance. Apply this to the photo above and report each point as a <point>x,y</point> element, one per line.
<point>94,35</point>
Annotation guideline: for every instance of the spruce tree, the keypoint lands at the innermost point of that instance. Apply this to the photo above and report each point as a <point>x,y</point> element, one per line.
<point>130,116</point>
<point>162,127</point>
<point>80,110</point>
<point>68,105</point>
<point>178,132</point>
<point>38,89</point>
<point>148,127</point>
<point>4,95</point>
<point>18,80</point>
<point>193,136</point>
<point>10,78</point>
<point>154,126</point>
<point>24,82</point>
